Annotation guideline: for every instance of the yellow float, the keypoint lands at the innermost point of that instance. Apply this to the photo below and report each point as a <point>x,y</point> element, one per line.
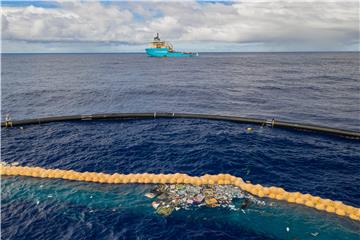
<point>277,193</point>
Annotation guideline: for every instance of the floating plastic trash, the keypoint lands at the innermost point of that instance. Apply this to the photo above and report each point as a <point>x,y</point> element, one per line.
<point>186,196</point>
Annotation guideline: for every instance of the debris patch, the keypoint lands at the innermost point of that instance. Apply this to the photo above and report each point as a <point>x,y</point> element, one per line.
<point>170,197</point>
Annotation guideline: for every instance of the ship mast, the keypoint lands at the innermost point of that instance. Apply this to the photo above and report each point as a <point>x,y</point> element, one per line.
<point>157,38</point>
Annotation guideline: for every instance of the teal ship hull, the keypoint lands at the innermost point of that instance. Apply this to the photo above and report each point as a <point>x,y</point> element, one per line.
<point>164,52</point>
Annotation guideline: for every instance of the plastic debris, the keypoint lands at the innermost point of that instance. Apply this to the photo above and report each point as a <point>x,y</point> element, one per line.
<point>155,204</point>
<point>232,207</point>
<point>287,229</point>
<point>170,197</point>
<point>198,198</point>
<point>249,129</point>
<point>150,195</point>
<point>179,187</point>
<point>211,202</point>
<point>165,210</point>
<point>314,234</point>
<point>4,164</point>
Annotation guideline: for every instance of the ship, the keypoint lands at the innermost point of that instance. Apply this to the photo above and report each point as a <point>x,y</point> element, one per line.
<point>160,48</point>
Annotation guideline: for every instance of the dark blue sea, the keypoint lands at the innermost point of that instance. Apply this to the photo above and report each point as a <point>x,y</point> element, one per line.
<point>317,88</point>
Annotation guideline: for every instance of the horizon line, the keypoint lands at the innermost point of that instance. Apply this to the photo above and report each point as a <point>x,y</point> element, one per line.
<point>310,51</point>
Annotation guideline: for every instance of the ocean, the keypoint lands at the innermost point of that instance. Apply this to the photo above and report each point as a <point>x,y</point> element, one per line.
<point>317,88</point>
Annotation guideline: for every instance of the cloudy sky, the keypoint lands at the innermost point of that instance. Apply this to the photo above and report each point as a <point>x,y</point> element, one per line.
<point>119,26</point>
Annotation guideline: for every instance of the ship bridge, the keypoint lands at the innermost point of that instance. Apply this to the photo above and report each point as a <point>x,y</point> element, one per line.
<point>157,43</point>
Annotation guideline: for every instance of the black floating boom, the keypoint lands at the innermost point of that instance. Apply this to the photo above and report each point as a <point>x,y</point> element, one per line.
<point>124,116</point>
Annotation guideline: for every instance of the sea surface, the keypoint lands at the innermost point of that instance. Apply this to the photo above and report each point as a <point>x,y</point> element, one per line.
<point>317,88</point>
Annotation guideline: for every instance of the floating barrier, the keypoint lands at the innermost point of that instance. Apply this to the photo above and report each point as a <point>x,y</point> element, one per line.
<point>327,205</point>
<point>123,116</point>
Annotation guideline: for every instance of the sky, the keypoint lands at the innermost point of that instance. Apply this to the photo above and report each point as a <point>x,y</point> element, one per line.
<point>201,26</point>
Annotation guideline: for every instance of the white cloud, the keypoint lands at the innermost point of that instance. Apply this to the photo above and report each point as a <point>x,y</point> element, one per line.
<point>296,25</point>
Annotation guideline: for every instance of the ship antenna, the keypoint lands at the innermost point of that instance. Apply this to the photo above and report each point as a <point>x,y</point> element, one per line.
<point>157,37</point>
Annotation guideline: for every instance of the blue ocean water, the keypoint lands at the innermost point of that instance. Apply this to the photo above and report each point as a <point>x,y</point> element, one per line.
<point>321,88</point>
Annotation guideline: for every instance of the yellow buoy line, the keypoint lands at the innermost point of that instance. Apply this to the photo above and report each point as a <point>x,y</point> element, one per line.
<point>277,193</point>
